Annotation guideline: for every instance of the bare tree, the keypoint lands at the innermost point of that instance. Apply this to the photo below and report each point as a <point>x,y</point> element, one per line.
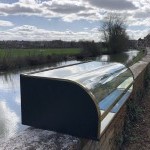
<point>114,32</point>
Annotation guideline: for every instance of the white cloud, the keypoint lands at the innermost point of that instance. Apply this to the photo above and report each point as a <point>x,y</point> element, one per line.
<point>142,14</point>
<point>4,23</point>
<point>71,10</point>
<point>95,30</point>
<point>16,9</point>
<point>86,28</point>
<point>64,8</point>
<point>136,34</point>
<point>33,33</point>
<point>113,4</point>
<point>140,23</point>
<point>32,2</point>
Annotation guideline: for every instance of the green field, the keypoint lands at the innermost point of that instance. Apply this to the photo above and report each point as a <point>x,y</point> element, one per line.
<point>38,52</point>
<point>18,58</point>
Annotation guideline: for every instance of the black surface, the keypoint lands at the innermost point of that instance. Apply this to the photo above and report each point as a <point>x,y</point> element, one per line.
<point>59,106</point>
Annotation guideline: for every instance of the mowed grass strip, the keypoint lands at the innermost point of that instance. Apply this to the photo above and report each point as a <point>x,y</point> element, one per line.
<point>38,52</point>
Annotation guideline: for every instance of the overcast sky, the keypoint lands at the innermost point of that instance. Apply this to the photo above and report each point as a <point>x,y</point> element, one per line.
<point>68,19</point>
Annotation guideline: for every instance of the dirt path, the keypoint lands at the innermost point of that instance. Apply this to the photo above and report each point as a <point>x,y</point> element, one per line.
<point>139,138</point>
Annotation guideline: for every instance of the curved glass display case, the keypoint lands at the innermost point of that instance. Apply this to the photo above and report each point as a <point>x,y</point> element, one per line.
<point>79,99</point>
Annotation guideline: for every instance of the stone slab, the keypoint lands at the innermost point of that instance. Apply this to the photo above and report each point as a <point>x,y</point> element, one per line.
<point>138,68</point>
<point>37,139</point>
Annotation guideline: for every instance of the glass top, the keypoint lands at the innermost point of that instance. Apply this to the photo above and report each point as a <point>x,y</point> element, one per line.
<point>99,79</point>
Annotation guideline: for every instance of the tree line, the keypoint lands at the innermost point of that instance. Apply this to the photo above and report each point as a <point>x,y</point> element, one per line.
<point>39,44</point>
<point>113,30</point>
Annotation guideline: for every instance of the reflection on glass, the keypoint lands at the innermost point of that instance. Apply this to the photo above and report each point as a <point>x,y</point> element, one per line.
<point>110,84</point>
<point>109,117</point>
<point>73,70</point>
<point>111,98</point>
<point>98,78</point>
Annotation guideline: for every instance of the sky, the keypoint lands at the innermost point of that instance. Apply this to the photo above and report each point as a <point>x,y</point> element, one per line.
<point>69,19</point>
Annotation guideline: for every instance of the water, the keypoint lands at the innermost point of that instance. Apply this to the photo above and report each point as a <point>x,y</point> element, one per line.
<point>10,109</point>
<point>123,58</point>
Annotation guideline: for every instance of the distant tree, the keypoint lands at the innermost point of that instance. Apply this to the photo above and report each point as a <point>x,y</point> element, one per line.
<point>114,33</point>
<point>90,49</point>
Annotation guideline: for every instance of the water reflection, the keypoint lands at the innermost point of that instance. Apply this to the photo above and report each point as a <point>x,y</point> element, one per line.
<point>9,107</point>
<point>124,58</point>
<point>10,110</point>
<point>105,58</point>
<point>131,55</point>
<point>8,120</point>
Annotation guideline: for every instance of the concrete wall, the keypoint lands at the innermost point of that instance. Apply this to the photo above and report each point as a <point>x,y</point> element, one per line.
<point>36,139</point>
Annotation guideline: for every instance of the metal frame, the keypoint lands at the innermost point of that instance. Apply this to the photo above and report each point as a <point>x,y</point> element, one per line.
<point>89,93</point>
